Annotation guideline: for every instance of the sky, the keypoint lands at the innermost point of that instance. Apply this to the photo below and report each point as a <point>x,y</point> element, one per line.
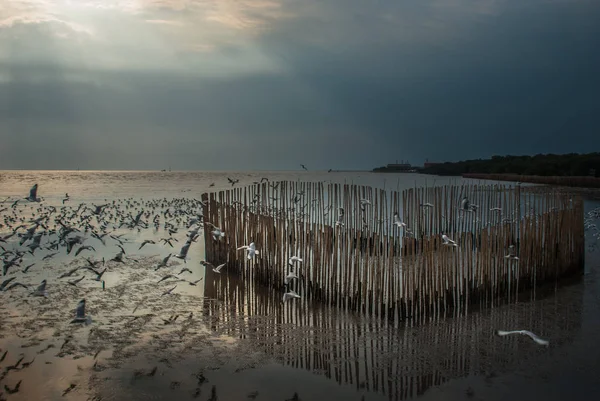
<point>272,84</point>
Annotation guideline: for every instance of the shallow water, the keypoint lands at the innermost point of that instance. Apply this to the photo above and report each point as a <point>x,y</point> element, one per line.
<point>241,341</point>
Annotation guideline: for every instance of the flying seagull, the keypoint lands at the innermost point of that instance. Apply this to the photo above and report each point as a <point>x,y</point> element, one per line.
<point>163,262</point>
<point>291,276</point>
<point>399,223</point>
<point>168,291</point>
<point>217,234</point>
<point>340,219</point>
<point>526,333</point>
<point>148,241</point>
<point>512,253</point>
<point>33,194</point>
<point>290,295</point>
<point>218,268</point>
<point>294,259</point>
<point>80,314</point>
<point>448,241</point>
<point>184,250</point>
<point>251,249</point>
<point>40,291</point>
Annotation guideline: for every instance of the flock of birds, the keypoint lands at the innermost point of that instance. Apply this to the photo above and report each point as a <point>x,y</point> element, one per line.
<point>71,227</point>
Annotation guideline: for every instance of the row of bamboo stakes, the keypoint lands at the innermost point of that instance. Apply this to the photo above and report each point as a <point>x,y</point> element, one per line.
<point>401,363</point>
<point>371,265</point>
<point>569,181</point>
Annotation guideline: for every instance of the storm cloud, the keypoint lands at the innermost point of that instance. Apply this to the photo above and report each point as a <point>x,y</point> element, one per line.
<point>263,84</point>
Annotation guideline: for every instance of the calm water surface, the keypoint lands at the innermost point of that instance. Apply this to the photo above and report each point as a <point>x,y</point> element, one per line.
<point>235,341</point>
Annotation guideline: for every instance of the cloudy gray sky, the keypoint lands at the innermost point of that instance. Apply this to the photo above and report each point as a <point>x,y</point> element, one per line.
<point>269,84</point>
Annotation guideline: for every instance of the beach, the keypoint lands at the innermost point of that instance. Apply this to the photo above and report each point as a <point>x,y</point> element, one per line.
<point>227,339</point>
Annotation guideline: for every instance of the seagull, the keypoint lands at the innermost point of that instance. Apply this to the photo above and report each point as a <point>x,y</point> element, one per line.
<point>148,241</point>
<point>291,275</point>
<point>294,259</point>
<point>290,295</point>
<point>233,182</point>
<point>217,234</point>
<point>251,250</point>
<point>340,219</point>
<point>97,273</point>
<point>98,209</point>
<point>465,204</point>
<point>512,253</point>
<point>218,268</point>
<point>40,291</point>
<point>448,241</point>
<point>83,248</point>
<point>163,262</point>
<point>75,282</point>
<point>185,269</point>
<point>496,209</point>
<point>6,282</point>
<point>66,198</point>
<point>426,204</point>
<point>33,194</point>
<point>15,285</point>
<point>28,267</point>
<point>80,314</point>
<point>526,333</point>
<point>183,252</point>
<point>168,276</point>
<point>304,167</point>
<point>399,223</point>
<point>69,273</point>
<point>364,203</point>
<point>168,291</point>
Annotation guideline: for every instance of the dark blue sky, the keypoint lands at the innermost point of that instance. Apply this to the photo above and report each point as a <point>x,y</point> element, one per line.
<point>269,84</point>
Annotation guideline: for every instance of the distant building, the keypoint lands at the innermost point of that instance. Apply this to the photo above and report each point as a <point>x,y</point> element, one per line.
<point>395,167</point>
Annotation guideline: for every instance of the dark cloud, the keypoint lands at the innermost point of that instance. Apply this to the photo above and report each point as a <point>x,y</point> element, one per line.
<point>356,90</point>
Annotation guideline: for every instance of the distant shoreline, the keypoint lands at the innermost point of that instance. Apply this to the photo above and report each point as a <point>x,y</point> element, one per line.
<point>560,181</point>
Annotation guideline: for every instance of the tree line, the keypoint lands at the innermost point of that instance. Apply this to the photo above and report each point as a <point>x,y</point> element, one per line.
<point>571,164</point>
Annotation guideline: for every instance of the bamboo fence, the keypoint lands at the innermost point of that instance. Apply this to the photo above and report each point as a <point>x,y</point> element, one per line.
<point>370,264</point>
<point>567,181</point>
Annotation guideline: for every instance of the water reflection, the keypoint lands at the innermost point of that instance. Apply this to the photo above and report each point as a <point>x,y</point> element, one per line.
<point>400,363</point>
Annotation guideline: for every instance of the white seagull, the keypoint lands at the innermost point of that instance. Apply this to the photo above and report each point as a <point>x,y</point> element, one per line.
<point>448,241</point>
<point>290,295</point>
<point>251,249</point>
<point>184,250</point>
<point>217,234</point>
<point>218,268</point>
<point>399,223</point>
<point>512,253</point>
<point>526,333</point>
<point>364,203</point>
<point>291,276</point>
<point>294,259</point>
